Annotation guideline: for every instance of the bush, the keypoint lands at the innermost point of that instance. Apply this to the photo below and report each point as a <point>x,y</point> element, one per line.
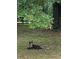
<point>36,17</point>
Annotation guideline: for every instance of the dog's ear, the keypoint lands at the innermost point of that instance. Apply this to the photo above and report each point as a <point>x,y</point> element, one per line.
<point>30,41</point>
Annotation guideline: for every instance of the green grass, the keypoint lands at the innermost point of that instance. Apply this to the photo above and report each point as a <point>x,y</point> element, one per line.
<point>50,41</point>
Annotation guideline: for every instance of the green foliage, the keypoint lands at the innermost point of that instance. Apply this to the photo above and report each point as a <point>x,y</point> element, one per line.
<point>37,18</point>
<point>41,21</point>
<point>37,12</point>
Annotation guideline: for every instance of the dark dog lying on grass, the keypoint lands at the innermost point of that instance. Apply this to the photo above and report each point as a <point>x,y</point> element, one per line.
<point>33,46</point>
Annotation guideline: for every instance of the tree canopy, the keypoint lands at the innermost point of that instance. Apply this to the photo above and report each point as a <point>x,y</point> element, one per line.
<point>37,12</point>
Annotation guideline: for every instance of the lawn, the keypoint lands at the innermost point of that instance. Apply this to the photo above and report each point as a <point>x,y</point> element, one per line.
<point>49,40</point>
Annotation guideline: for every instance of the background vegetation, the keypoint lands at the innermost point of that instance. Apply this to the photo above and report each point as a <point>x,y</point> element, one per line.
<point>37,13</point>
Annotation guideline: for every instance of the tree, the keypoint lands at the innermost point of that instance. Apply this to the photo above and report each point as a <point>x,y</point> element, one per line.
<point>37,12</point>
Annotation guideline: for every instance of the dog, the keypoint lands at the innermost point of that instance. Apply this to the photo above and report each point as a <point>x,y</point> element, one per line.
<point>33,46</point>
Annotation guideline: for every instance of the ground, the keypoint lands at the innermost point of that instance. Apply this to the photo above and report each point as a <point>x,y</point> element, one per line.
<point>49,40</point>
